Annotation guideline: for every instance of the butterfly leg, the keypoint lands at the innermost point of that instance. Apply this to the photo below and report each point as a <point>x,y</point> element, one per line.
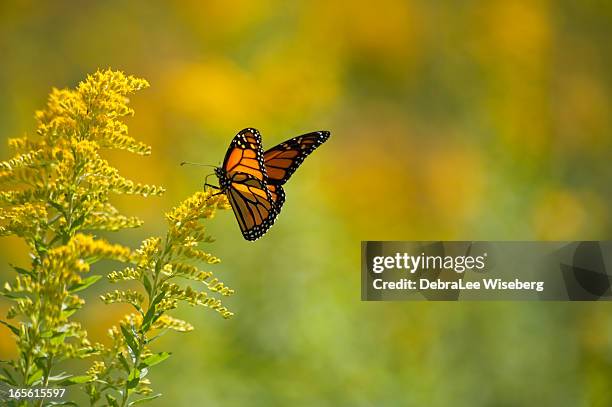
<point>215,194</point>
<point>206,184</point>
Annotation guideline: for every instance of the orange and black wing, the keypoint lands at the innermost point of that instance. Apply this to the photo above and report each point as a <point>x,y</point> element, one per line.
<point>245,155</point>
<point>253,205</point>
<point>277,194</point>
<point>282,161</point>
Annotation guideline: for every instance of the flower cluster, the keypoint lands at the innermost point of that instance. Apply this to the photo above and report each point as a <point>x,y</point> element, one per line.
<point>56,186</point>
<point>156,266</point>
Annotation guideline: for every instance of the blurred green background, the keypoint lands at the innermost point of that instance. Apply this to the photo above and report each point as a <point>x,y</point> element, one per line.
<point>450,120</point>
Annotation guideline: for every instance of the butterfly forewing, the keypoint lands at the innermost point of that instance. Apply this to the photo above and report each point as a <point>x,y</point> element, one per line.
<point>245,155</point>
<point>283,160</point>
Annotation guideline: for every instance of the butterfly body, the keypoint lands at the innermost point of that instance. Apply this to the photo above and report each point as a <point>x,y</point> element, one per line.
<point>253,180</point>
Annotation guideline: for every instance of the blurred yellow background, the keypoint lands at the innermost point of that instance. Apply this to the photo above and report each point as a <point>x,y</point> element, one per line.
<point>450,120</point>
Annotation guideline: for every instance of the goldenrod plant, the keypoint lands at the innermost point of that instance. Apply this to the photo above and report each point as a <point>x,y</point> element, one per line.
<point>157,265</point>
<point>56,196</point>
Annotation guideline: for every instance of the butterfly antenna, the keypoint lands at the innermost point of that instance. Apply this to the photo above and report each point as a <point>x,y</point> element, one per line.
<point>196,164</point>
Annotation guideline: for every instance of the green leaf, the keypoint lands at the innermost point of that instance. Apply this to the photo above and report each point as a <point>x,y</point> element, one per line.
<point>147,320</point>
<point>56,206</point>
<point>76,380</point>
<point>158,298</point>
<point>58,338</point>
<point>154,359</point>
<point>37,375</point>
<point>124,362</point>
<point>41,362</point>
<point>41,249</point>
<point>13,295</point>
<point>129,339</point>
<point>68,312</point>
<point>151,316</point>
<point>111,400</point>
<point>13,328</point>
<point>86,282</point>
<point>23,271</point>
<point>86,352</point>
<point>78,222</point>
<point>8,380</point>
<point>147,283</point>
<point>59,377</point>
<point>9,376</point>
<point>47,333</point>
<point>61,403</point>
<point>133,378</point>
<point>144,399</point>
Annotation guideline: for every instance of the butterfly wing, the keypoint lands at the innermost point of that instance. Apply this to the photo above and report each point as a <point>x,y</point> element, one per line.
<point>278,195</point>
<point>281,161</point>
<point>254,205</point>
<point>245,155</point>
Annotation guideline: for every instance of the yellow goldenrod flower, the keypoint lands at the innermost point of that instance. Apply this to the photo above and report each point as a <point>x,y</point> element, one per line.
<point>158,264</point>
<point>56,185</point>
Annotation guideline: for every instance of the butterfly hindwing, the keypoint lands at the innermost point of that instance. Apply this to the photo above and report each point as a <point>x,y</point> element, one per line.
<point>253,205</point>
<point>278,195</point>
<point>283,160</point>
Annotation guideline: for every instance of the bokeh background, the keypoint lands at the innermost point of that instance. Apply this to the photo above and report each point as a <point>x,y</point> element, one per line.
<point>450,120</point>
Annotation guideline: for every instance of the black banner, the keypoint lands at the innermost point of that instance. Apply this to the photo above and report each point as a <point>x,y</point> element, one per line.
<point>509,271</point>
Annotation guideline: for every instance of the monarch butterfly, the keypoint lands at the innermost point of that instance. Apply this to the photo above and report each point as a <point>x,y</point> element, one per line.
<point>253,180</point>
